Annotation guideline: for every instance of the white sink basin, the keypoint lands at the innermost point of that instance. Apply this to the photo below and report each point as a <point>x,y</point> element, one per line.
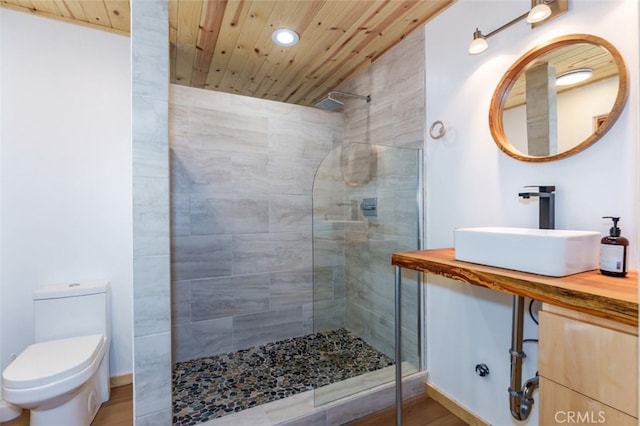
<point>552,252</point>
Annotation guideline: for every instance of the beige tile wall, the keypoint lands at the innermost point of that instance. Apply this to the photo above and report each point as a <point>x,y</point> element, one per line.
<point>242,172</point>
<point>151,259</point>
<point>394,117</point>
<point>396,82</point>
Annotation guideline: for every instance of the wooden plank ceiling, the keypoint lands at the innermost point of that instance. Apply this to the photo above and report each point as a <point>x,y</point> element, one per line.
<point>109,15</point>
<point>225,45</point>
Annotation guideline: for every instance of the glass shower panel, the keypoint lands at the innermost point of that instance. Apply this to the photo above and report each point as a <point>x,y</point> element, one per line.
<point>365,207</point>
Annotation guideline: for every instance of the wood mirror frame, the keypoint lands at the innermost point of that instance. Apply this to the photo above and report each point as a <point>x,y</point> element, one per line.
<point>501,93</point>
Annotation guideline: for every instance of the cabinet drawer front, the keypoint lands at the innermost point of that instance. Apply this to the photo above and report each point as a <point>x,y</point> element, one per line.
<point>596,361</point>
<point>560,405</point>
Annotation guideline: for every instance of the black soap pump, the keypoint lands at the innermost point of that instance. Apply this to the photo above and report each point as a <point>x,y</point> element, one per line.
<point>613,251</point>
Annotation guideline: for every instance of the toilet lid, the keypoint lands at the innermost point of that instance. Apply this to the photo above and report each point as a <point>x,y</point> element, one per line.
<point>47,362</point>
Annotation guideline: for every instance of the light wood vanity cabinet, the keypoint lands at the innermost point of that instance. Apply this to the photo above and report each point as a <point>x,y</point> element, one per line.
<point>588,369</point>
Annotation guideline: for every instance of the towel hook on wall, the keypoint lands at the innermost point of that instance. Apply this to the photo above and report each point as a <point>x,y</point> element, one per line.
<point>437,130</point>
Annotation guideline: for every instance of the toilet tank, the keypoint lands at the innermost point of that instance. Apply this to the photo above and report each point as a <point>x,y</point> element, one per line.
<point>70,310</point>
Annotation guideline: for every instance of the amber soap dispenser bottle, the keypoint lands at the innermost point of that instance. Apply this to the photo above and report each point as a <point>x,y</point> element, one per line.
<point>613,251</point>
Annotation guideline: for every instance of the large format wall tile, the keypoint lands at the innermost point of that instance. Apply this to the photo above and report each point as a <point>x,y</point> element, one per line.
<point>290,213</point>
<point>150,216</point>
<point>180,214</point>
<point>329,248</point>
<point>299,138</point>
<point>152,373</point>
<point>224,131</point>
<point>229,214</point>
<point>150,147</point>
<point>290,177</point>
<point>271,252</point>
<point>290,289</point>
<point>180,302</point>
<point>250,174</point>
<point>395,81</point>
<point>328,315</point>
<point>257,329</point>
<point>229,296</point>
<point>242,173</point>
<point>151,295</point>
<point>323,283</point>
<point>151,227</point>
<point>202,170</point>
<point>201,256</point>
<point>202,339</point>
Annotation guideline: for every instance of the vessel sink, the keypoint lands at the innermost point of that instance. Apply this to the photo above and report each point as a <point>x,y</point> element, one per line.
<point>551,252</point>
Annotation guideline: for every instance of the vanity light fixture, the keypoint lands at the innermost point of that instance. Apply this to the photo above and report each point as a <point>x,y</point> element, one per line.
<point>574,76</point>
<point>541,10</point>
<point>285,37</point>
<point>479,43</point>
<point>538,13</point>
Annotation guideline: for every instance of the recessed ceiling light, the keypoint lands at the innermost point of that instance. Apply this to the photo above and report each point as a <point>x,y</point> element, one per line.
<point>574,76</point>
<point>285,37</point>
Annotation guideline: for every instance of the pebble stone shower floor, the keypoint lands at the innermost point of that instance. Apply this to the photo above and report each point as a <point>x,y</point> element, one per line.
<point>207,388</point>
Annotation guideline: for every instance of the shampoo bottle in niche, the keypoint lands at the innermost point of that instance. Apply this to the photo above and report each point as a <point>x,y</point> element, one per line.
<point>613,251</point>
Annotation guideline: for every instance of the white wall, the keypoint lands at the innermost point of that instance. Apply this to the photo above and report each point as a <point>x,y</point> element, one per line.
<point>66,171</point>
<point>470,182</point>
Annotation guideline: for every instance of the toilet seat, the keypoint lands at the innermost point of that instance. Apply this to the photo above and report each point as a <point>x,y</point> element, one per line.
<point>49,362</point>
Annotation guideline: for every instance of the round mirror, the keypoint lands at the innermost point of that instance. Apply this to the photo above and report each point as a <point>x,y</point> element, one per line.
<point>559,98</point>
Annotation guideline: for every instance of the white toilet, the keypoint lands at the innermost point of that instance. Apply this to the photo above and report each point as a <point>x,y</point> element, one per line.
<point>63,378</point>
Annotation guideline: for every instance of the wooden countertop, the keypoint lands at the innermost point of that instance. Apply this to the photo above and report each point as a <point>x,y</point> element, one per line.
<point>589,292</point>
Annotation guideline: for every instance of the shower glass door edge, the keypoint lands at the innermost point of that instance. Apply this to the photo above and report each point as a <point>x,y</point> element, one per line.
<point>364,209</point>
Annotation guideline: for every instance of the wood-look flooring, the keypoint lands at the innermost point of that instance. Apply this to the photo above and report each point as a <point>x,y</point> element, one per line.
<point>421,411</point>
<point>118,411</point>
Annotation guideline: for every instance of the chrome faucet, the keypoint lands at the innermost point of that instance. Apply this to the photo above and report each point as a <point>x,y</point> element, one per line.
<point>547,209</point>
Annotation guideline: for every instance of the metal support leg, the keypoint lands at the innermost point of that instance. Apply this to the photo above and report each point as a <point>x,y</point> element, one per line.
<point>398,347</point>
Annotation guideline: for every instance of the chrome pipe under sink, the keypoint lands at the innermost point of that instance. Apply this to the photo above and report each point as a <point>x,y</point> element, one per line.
<point>520,397</point>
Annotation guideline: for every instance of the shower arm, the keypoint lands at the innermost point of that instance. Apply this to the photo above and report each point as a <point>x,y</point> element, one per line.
<point>351,95</point>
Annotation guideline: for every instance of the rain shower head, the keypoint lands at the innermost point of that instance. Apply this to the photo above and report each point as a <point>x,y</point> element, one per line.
<point>331,104</point>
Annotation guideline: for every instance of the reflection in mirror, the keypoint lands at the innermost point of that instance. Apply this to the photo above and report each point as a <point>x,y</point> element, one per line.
<point>536,116</point>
